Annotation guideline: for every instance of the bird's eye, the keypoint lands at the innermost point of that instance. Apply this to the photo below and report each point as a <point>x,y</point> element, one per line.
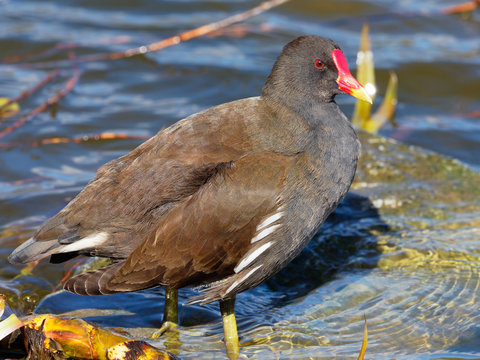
<point>319,64</point>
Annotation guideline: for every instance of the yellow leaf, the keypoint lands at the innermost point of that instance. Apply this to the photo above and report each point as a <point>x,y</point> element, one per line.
<point>8,110</point>
<point>9,325</point>
<point>364,342</point>
<point>77,338</point>
<point>386,111</point>
<point>3,300</point>
<point>366,77</point>
<point>142,351</point>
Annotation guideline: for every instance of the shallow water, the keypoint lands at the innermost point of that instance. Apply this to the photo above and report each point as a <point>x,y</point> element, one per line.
<point>403,249</point>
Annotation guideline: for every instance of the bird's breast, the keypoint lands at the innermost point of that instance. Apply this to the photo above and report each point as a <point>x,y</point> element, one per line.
<point>316,184</point>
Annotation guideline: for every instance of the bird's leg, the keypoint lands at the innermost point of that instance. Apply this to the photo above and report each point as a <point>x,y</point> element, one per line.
<point>232,346</point>
<point>170,313</point>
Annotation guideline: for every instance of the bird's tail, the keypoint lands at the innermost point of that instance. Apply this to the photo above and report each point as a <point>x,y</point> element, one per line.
<point>94,282</point>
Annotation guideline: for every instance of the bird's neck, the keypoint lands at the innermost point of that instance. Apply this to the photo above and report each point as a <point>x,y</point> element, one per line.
<point>298,125</point>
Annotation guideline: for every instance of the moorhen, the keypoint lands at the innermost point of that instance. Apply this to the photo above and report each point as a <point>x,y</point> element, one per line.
<point>224,198</point>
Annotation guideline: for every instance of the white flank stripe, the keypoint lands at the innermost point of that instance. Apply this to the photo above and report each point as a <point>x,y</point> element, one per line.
<point>270,220</point>
<point>245,262</point>
<point>237,282</point>
<point>88,242</point>
<point>265,232</point>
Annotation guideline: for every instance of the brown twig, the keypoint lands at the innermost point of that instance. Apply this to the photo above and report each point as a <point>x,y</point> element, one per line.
<point>64,46</point>
<point>37,54</point>
<point>240,30</point>
<point>51,101</point>
<point>174,40</point>
<point>27,181</point>
<point>460,8</point>
<point>199,31</point>
<point>29,92</point>
<point>77,140</point>
<point>472,114</point>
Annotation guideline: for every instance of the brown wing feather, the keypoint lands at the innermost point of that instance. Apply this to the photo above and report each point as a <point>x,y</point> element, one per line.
<point>130,194</point>
<point>204,237</point>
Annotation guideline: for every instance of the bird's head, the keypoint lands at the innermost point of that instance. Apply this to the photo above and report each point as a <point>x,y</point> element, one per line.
<point>312,67</point>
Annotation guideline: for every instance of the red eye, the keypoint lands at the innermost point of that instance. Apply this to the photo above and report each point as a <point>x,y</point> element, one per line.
<point>319,64</point>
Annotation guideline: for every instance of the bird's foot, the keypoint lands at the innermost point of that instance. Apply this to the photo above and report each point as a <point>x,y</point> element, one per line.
<point>167,326</point>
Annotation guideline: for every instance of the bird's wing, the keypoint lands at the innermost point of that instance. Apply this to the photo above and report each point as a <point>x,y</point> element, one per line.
<point>114,213</point>
<point>219,231</point>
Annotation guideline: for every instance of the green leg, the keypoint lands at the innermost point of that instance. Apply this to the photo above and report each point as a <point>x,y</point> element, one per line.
<point>170,314</point>
<point>232,346</point>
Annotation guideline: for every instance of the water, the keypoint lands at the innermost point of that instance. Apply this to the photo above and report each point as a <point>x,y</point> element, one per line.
<point>402,249</point>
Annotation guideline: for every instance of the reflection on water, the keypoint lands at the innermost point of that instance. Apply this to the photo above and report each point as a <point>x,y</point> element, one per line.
<point>402,249</point>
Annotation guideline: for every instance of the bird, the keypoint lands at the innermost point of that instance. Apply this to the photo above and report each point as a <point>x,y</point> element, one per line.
<point>221,200</point>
